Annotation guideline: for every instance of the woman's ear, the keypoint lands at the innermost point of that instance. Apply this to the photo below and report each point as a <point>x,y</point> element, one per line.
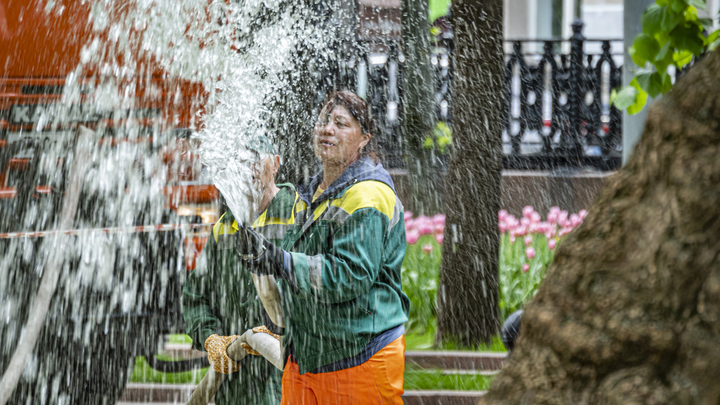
<point>276,164</point>
<point>366,139</point>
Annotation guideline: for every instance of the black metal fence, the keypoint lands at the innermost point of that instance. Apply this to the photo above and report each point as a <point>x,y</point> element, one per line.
<point>558,111</point>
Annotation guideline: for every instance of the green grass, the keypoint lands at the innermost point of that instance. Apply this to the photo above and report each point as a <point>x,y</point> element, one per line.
<point>419,379</point>
<point>142,373</point>
<point>426,341</point>
<point>179,339</point>
<point>415,378</point>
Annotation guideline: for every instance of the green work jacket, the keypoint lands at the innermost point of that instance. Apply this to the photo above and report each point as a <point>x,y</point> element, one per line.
<point>219,297</point>
<point>347,248</point>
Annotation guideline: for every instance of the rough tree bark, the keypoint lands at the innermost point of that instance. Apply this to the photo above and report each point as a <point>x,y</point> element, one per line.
<point>630,310</point>
<point>418,119</point>
<point>468,294</point>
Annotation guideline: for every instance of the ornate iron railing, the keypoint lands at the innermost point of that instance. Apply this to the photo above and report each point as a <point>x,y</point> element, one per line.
<point>558,111</point>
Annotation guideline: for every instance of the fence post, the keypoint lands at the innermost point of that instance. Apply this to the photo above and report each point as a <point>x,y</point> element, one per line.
<point>573,147</point>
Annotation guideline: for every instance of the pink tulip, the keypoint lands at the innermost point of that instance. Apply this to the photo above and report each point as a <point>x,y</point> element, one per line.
<point>535,218</point>
<point>555,209</point>
<point>528,240</point>
<point>502,226</point>
<point>502,215</point>
<point>583,214</point>
<point>552,243</point>
<point>564,231</point>
<point>412,237</point>
<point>512,238</point>
<point>425,228</point>
<point>530,253</point>
<point>575,220</point>
<point>438,219</point>
<point>552,217</point>
<point>525,268</point>
<point>427,248</point>
<point>409,224</point>
<point>408,215</point>
<point>439,228</point>
<point>520,231</point>
<point>524,221</point>
<point>440,237</point>
<point>562,216</point>
<point>527,211</point>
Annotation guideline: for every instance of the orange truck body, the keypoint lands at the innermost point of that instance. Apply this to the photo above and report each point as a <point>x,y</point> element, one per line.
<point>37,52</point>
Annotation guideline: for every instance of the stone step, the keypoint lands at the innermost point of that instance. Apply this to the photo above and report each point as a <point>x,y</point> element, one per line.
<point>453,360</point>
<point>158,394</point>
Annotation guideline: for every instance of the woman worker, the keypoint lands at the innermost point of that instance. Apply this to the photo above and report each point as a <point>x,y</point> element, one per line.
<point>340,269</point>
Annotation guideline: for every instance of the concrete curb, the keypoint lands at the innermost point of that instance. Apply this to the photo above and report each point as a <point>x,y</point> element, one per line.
<point>180,393</point>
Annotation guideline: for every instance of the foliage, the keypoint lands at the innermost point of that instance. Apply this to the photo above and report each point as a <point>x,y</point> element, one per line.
<point>523,263</point>
<point>442,135</point>
<point>437,9</point>
<point>426,341</point>
<point>672,36</point>
<point>421,379</point>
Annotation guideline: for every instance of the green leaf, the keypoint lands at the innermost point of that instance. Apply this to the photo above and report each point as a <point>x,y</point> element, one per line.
<point>688,36</point>
<point>428,143</point>
<point>712,38</point>
<point>690,14</point>
<point>661,65</point>
<point>678,5</point>
<point>652,19</point>
<point>701,4</point>
<point>645,49</point>
<point>626,97</point>
<point>661,2</point>
<point>666,83</point>
<point>640,99</point>
<point>670,19</point>
<point>437,9</point>
<point>662,54</point>
<point>682,58</point>
<point>651,83</point>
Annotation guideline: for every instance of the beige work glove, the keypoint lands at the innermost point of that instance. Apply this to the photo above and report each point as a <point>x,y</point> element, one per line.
<point>257,329</point>
<point>216,348</point>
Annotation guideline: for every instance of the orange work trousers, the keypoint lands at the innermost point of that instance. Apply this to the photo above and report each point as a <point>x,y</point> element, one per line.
<point>377,381</point>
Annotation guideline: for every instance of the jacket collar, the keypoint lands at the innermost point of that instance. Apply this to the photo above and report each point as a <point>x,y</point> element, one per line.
<point>363,169</point>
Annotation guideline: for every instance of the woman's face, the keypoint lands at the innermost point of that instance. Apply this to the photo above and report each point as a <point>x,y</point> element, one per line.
<point>338,137</point>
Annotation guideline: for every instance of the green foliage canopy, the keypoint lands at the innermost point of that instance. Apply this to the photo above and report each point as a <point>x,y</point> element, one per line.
<point>672,35</point>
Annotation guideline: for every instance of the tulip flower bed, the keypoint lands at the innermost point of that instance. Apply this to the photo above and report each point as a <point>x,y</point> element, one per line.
<point>527,247</point>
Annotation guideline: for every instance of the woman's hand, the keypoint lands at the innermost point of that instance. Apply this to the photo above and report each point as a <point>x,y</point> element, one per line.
<point>216,348</point>
<point>263,258</point>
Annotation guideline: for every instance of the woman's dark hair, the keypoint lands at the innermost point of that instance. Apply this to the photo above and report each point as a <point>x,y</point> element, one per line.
<point>356,106</point>
<point>361,111</point>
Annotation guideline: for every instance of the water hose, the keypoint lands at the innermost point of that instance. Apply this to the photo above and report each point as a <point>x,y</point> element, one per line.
<point>266,345</point>
<point>48,283</point>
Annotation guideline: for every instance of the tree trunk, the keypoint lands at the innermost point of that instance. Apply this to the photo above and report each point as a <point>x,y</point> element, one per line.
<point>468,294</point>
<point>418,119</point>
<point>630,310</point>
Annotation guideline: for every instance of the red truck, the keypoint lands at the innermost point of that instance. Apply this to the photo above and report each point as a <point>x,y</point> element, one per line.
<point>121,277</point>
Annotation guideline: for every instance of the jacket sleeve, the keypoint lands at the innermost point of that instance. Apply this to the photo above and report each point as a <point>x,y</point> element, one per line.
<point>200,321</point>
<point>351,264</point>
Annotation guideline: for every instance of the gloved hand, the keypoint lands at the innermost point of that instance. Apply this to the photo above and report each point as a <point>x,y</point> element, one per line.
<point>216,347</point>
<point>250,332</point>
<point>263,258</point>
